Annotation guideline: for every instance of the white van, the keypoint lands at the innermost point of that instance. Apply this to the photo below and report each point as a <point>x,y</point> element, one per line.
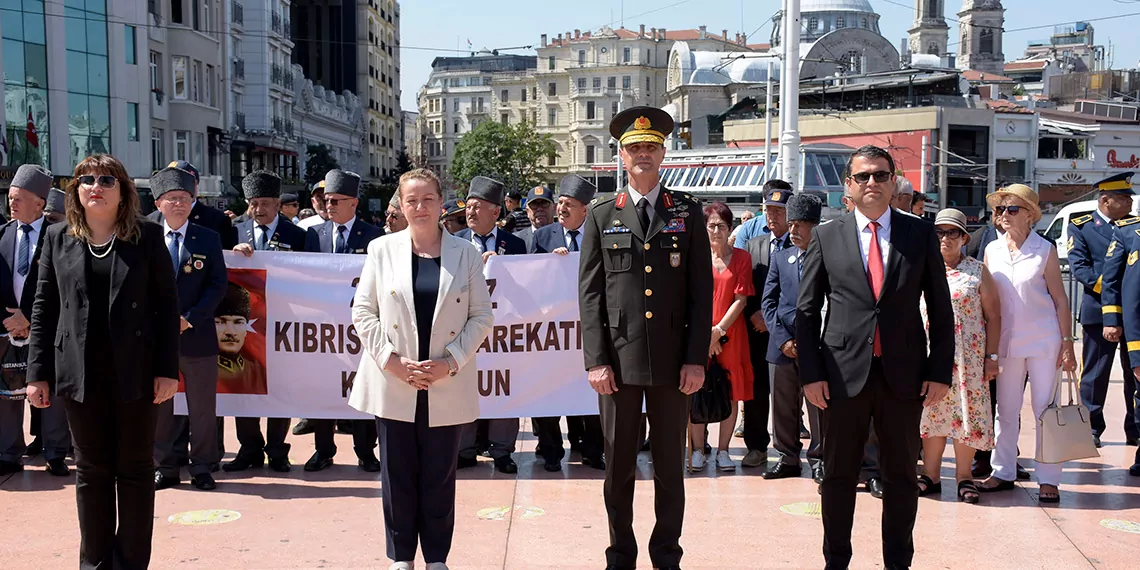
<point>1058,230</point>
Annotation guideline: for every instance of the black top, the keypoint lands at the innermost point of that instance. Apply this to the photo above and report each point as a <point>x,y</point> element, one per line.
<point>425,289</point>
<point>99,354</point>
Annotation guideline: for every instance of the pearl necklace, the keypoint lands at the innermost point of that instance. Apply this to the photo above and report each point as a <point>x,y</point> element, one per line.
<point>109,244</point>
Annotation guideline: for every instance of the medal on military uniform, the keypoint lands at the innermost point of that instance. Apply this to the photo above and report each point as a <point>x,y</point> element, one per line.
<point>198,264</point>
<point>675,259</point>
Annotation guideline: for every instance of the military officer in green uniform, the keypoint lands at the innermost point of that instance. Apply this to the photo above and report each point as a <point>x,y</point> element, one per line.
<point>645,296</point>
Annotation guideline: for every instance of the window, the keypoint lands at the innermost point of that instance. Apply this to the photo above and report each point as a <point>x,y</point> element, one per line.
<point>863,23</point>
<point>505,118</point>
<point>182,146</point>
<point>589,154</point>
<point>155,73</point>
<point>853,62</point>
<point>552,116</point>
<point>195,17</point>
<point>611,83</point>
<point>181,89</point>
<point>552,89</point>
<point>534,93</point>
<point>987,41</point>
<point>208,87</point>
<point>626,56</point>
<point>505,96</point>
<point>581,84</point>
<point>196,82</point>
<point>647,86</point>
<point>590,111</point>
<point>552,160</point>
<point>522,95</point>
<point>133,122</point>
<point>455,127</point>
<point>1065,148</point>
<point>613,109</point>
<point>840,23</point>
<point>626,82</point>
<point>176,11</point>
<point>455,104</point>
<point>480,107</point>
<point>581,57</point>
<point>813,24</point>
<point>646,62</point>
<point>550,64</point>
<point>207,26</point>
<point>156,161</point>
<point>199,148</point>
<point>131,49</point>
<point>597,84</point>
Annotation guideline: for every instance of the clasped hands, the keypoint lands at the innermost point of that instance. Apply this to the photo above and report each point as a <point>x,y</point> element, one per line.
<point>418,374</point>
<point>38,392</point>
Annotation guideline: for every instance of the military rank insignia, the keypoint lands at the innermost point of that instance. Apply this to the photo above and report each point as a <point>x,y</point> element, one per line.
<point>1069,244</point>
<point>616,230</point>
<point>1111,249</point>
<point>1132,258</point>
<point>676,225</point>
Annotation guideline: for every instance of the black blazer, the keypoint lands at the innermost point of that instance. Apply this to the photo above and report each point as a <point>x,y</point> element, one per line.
<point>144,314</point>
<point>202,279</point>
<point>319,239</point>
<point>207,217</point>
<point>8,234</point>
<point>760,248</point>
<point>506,243</point>
<point>287,236</point>
<point>548,238</point>
<point>778,300</point>
<point>839,351</point>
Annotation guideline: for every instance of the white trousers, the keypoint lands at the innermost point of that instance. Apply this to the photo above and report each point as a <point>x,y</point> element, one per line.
<point>1010,395</point>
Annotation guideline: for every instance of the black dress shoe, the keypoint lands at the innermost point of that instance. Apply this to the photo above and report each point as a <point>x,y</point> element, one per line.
<point>241,463</point>
<point>215,467</point>
<point>1134,470</point>
<point>369,464</point>
<point>280,464</point>
<point>781,471</point>
<point>58,468</point>
<point>506,465</point>
<point>344,426</point>
<point>163,482</point>
<point>10,467</point>
<point>318,462</point>
<point>667,567</point>
<point>595,462</point>
<point>1096,441</point>
<point>203,482</point>
<point>35,448</point>
<point>817,474</point>
<point>303,427</point>
<point>875,487</point>
<point>708,450</point>
<point>183,461</point>
<point>1022,474</point>
<point>981,470</point>
<point>552,464</point>
<point>465,462</point>
<point>1132,440</point>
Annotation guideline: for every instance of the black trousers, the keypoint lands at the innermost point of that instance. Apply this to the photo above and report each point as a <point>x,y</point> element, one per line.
<point>253,444</point>
<point>114,485</point>
<point>845,424</point>
<point>588,428</point>
<point>182,442</point>
<point>363,437</point>
<point>668,411</point>
<point>1098,357</point>
<point>756,436</point>
<point>417,478</point>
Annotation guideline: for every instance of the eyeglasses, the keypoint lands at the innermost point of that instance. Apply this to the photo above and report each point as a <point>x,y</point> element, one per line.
<point>179,201</point>
<point>335,201</point>
<point>1011,210</point>
<point>864,177</point>
<point>104,180</point>
<point>713,227</point>
<point>393,215</point>
<point>952,234</point>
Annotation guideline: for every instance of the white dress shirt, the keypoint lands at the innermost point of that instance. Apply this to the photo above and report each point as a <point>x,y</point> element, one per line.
<point>347,232</point>
<point>272,230</point>
<point>651,196</point>
<point>166,229</point>
<point>34,238</point>
<point>566,236</point>
<point>865,235</point>
<point>310,221</point>
<point>490,242</point>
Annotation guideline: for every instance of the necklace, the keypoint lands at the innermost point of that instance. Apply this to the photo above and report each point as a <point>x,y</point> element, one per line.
<point>109,244</point>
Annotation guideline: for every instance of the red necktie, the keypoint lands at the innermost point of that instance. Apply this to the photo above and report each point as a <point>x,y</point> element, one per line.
<point>875,275</point>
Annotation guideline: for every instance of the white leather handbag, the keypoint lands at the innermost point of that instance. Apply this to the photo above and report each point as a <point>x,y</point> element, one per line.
<point>1064,433</point>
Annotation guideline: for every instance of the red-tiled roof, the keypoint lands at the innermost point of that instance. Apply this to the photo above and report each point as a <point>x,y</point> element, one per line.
<point>1003,106</point>
<point>673,35</point>
<point>1025,65</point>
<point>973,75</point>
<point>759,47</point>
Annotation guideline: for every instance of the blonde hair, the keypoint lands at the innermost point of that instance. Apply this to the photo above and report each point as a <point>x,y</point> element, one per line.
<point>128,218</point>
<point>421,174</point>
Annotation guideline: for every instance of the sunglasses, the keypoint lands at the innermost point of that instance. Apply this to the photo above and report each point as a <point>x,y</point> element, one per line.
<point>1011,210</point>
<point>335,201</point>
<point>864,177</point>
<point>104,181</point>
<point>391,215</point>
<point>952,234</point>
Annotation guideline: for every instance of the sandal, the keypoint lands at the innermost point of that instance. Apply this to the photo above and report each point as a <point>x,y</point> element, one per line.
<point>927,486</point>
<point>1002,485</point>
<point>1045,495</point>
<point>968,492</point>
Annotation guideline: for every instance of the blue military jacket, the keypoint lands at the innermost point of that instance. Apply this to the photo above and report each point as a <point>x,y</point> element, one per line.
<point>1121,283</point>
<point>781,288</point>
<point>1089,237</point>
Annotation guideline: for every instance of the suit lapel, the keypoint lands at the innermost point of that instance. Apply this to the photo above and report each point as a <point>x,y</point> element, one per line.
<point>245,231</point>
<point>187,248</point>
<point>855,252</point>
<point>404,279</point>
<point>900,238</point>
<point>660,212</point>
<point>449,266</point>
<point>122,258</point>
<point>73,256</point>
<point>8,246</point>
<point>627,214</point>
<point>326,237</point>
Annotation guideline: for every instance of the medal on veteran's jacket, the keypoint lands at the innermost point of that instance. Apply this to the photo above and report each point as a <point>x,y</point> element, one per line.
<point>675,259</point>
<point>676,225</point>
<point>198,264</point>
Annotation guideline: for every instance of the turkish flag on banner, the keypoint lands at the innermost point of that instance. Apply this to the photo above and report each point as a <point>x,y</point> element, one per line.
<point>33,138</point>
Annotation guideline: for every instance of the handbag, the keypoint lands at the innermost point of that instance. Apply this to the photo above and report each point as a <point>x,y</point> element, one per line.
<point>1064,433</point>
<point>13,369</point>
<point>713,402</point>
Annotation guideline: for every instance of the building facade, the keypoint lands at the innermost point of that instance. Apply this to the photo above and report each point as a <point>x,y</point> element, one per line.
<point>378,82</point>
<point>982,27</point>
<point>930,34</point>
<point>410,141</point>
<point>333,120</point>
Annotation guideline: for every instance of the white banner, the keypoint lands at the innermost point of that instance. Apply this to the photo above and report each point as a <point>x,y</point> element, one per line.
<point>290,350</point>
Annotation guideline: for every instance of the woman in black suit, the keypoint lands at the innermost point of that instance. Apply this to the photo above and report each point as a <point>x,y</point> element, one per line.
<point>104,345</point>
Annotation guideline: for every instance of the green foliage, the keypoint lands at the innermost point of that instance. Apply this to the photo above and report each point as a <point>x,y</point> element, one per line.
<point>320,160</point>
<point>515,155</point>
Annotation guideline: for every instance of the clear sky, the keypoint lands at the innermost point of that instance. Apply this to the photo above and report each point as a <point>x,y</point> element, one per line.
<point>435,28</point>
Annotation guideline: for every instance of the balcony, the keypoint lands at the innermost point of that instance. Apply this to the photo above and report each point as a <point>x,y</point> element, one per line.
<point>576,93</point>
<point>239,120</point>
<point>278,124</point>
<point>275,23</point>
<point>237,68</point>
<point>237,14</point>
<point>279,75</point>
<point>476,111</point>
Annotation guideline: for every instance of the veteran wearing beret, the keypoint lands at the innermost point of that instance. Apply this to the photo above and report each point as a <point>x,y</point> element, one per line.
<point>645,299</point>
<point>200,273</point>
<point>200,213</point>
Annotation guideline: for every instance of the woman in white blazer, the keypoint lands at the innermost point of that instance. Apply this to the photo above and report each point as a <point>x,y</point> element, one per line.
<point>422,308</point>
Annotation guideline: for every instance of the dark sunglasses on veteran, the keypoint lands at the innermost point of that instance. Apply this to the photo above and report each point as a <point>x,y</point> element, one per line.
<point>865,177</point>
<point>105,180</point>
<point>1011,210</point>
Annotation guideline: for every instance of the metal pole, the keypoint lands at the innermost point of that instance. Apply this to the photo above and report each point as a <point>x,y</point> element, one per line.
<point>768,120</point>
<point>790,107</point>
<point>922,157</point>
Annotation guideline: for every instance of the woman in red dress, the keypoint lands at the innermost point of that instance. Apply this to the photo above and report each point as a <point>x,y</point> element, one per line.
<point>732,284</point>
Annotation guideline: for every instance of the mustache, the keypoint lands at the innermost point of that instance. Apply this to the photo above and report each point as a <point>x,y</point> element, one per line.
<point>228,338</point>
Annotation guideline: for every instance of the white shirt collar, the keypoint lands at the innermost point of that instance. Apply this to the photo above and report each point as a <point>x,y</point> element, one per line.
<point>37,225</point>
<point>271,225</point>
<point>347,226</point>
<point>1102,216</point>
<point>651,196</point>
<point>884,220</point>
<point>494,234</point>
<point>566,231</point>
<point>166,229</point>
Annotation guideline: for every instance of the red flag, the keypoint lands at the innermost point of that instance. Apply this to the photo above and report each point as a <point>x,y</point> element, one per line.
<point>33,138</point>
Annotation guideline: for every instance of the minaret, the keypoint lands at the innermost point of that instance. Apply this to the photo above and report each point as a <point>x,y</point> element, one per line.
<point>981,25</point>
<point>930,34</point>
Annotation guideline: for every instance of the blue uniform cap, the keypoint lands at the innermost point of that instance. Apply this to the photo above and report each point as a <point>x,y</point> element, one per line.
<point>1117,184</point>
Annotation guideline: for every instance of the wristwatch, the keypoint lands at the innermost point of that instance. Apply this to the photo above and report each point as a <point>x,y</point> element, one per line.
<point>992,357</point>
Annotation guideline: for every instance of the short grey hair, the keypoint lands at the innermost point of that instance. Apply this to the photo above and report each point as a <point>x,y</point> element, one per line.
<point>903,186</point>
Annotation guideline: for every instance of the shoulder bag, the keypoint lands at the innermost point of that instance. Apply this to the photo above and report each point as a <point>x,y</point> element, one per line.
<point>1064,433</point>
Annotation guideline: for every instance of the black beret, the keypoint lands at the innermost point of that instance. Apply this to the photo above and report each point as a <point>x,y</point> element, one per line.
<point>288,198</point>
<point>515,195</point>
<point>486,189</point>
<point>56,201</point>
<point>342,182</point>
<point>576,187</point>
<point>236,302</point>
<point>33,178</point>
<point>261,184</point>
<point>170,179</point>
<point>804,208</point>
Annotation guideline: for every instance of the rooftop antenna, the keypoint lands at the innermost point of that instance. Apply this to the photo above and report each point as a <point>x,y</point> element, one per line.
<point>742,28</point>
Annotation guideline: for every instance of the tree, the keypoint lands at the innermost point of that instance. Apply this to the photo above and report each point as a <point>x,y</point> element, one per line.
<point>319,161</point>
<point>515,155</point>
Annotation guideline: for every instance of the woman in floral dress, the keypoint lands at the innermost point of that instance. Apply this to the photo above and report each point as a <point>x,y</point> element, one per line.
<point>964,415</point>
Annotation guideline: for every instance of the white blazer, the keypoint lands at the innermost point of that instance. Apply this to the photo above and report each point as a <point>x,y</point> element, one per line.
<point>384,313</point>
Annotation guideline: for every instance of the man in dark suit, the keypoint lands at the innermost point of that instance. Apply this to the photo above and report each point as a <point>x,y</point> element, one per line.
<point>870,362</point>
<point>762,249</point>
<point>201,214</point>
<point>20,244</point>
<point>645,298</point>
<point>483,198</point>
<point>981,238</point>
<point>780,292</point>
<point>265,231</point>
<point>584,432</point>
<point>539,212</point>
<point>342,234</point>
<point>200,271</point>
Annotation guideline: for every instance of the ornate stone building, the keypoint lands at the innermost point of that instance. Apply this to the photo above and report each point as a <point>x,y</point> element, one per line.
<point>981,23</point>
<point>930,33</point>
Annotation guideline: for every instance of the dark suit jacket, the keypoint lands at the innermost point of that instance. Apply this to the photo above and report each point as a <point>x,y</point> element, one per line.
<point>760,249</point>
<point>144,314</point>
<point>979,240</point>
<point>207,217</point>
<point>8,234</point>
<point>548,238</point>
<point>319,239</point>
<point>779,302</point>
<point>841,354</point>
<point>506,243</point>
<point>527,234</point>
<point>202,279</point>
<point>287,236</point>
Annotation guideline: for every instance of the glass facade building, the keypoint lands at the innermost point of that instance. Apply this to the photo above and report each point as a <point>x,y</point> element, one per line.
<point>88,102</point>
<point>26,81</point>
